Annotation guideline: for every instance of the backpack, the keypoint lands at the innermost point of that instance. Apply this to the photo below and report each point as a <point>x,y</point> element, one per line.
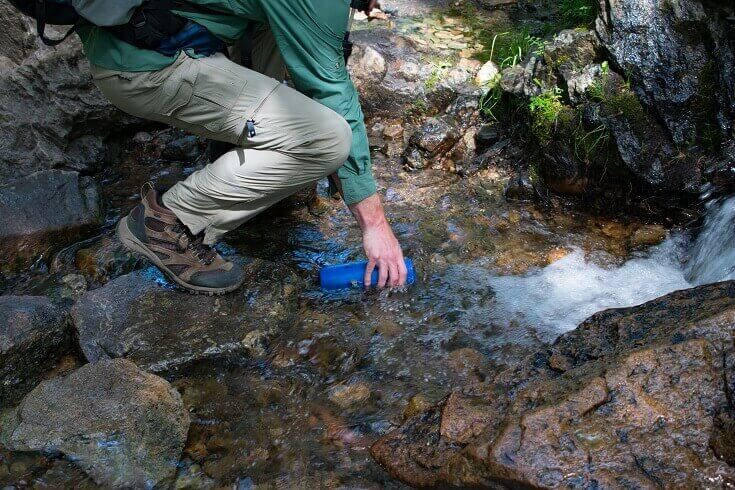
<point>151,23</point>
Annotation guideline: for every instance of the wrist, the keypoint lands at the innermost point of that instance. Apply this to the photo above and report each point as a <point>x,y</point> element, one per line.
<point>369,213</point>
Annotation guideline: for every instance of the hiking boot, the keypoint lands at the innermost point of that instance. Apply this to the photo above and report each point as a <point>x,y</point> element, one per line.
<point>155,232</point>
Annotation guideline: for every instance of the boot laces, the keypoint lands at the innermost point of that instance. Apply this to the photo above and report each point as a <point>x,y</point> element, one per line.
<point>185,240</point>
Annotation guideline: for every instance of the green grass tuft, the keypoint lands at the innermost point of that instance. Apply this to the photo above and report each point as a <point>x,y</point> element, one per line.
<point>546,110</point>
<point>578,13</point>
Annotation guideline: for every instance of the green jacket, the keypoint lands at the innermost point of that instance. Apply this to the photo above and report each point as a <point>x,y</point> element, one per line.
<point>309,34</point>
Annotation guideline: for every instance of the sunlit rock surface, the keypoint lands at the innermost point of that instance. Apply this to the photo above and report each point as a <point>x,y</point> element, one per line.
<point>634,397</point>
<point>123,427</point>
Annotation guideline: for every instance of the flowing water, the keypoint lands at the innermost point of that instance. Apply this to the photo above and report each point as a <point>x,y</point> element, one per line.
<point>497,280</point>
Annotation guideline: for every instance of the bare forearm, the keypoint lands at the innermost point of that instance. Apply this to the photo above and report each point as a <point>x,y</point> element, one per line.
<point>369,213</point>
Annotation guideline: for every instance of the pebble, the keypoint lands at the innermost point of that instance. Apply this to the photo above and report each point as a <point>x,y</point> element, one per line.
<point>393,131</point>
<point>488,76</point>
<point>648,236</point>
<point>347,396</point>
<point>417,404</point>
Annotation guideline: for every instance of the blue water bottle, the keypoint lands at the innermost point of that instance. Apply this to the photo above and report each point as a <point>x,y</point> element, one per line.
<point>353,275</point>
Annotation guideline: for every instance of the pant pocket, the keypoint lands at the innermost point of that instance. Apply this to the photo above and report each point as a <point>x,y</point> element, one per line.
<point>213,97</point>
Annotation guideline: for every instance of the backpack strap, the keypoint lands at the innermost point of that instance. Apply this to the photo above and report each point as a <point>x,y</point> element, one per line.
<point>41,26</point>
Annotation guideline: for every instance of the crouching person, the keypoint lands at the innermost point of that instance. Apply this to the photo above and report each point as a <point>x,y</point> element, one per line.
<point>284,138</point>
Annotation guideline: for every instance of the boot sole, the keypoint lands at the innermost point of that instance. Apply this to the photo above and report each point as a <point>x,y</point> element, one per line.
<point>134,245</point>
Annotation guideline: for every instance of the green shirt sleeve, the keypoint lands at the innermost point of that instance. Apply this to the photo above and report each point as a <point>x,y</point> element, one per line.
<point>309,34</point>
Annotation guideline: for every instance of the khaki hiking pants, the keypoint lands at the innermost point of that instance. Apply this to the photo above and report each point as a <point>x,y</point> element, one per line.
<point>298,141</point>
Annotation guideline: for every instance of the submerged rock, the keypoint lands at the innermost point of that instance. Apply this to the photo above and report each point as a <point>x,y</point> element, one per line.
<point>163,330</point>
<point>34,335</point>
<point>634,397</point>
<point>123,427</point>
<point>44,211</point>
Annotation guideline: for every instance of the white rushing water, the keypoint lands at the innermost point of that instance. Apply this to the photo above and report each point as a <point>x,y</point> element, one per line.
<point>563,294</point>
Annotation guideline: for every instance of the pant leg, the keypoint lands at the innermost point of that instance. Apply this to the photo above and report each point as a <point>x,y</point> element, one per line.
<point>298,141</point>
<point>258,51</point>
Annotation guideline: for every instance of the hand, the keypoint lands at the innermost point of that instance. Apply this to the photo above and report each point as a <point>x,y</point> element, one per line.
<point>381,246</point>
<point>374,4</point>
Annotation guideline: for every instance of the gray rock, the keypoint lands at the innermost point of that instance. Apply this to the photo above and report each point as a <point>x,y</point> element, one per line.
<point>123,427</point>
<point>43,211</point>
<point>519,189</point>
<point>680,59</point>
<point>572,56</point>
<point>435,137</point>
<point>487,136</point>
<point>634,397</point>
<point>163,330</point>
<point>390,72</point>
<point>34,334</point>
<point>522,80</point>
<point>51,114</point>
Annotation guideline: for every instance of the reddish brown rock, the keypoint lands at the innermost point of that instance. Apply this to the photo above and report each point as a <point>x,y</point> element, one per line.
<point>642,399</point>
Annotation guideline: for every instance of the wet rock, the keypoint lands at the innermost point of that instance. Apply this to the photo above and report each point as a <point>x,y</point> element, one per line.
<point>417,405</point>
<point>180,146</point>
<point>633,397</point>
<point>123,427</point>
<point>413,159</point>
<point>488,135</point>
<point>680,59</point>
<point>640,142</point>
<point>468,363</point>
<point>435,137</point>
<point>163,330</point>
<point>51,114</point>
<point>519,189</point>
<point>346,396</point>
<point>392,76</point>
<point>723,437</point>
<point>647,236</point>
<point>106,259</point>
<point>34,335</point>
<point>44,211</point>
<point>393,131</point>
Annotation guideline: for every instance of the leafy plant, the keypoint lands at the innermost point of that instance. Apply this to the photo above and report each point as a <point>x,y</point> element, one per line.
<point>545,110</point>
<point>578,13</point>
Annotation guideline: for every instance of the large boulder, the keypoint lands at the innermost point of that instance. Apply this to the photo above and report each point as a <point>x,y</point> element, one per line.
<point>51,114</point>
<point>637,397</point>
<point>123,427</point>
<point>392,76</point>
<point>163,330</point>
<point>34,334</point>
<point>680,55</point>
<point>43,211</point>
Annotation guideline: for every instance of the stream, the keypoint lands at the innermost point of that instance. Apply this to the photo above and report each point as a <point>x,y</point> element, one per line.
<point>497,280</point>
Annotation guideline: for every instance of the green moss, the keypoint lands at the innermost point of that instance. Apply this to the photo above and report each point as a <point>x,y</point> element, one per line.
<point>625,103</point>
<point>547,110</point>
<point>419,107</point>
<point>619,100</point>
<point>440,68</point>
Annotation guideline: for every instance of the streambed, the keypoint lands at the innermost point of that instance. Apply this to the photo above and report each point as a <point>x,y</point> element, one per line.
<point>497,280</point>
